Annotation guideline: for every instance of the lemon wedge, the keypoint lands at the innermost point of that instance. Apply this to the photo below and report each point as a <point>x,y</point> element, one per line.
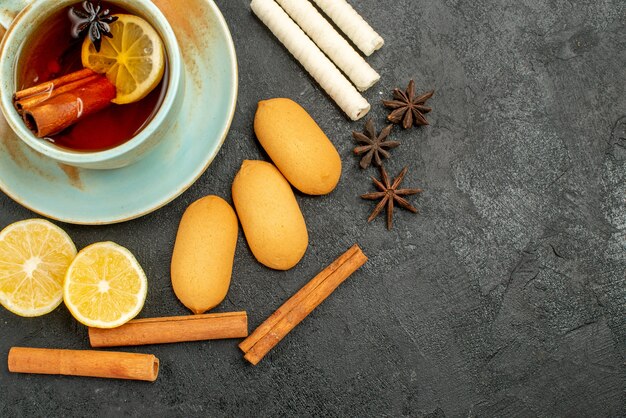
<point>34,257</point>
<point>105,286</point>
<point>133,59</point>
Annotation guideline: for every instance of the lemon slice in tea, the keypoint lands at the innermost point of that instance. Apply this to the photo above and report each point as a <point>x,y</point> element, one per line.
<point>105,286</point>
<point>133,59</point>
<point>34,257</point>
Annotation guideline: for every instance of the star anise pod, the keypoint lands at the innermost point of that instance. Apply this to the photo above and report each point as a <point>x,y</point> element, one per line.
<point>93,20</point>
<point>389,194</point>
<point>407,108</point>
<point>373,146</point>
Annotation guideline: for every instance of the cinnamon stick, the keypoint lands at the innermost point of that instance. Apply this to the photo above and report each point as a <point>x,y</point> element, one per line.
<point>172,330</point>
<point>51,85</point>
<point>63,110</point>
<point>106,364</point>
<point>300,305</point>
<point>30,101</point>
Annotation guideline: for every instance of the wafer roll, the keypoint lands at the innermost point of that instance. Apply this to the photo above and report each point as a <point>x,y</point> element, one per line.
<point>312,59</point>
<point>352,24</point>
<point>331,43</point>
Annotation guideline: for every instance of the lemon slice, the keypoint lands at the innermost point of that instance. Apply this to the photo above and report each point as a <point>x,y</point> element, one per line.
<point>133,59</point>
<point>105,286</point>
<point>34,256</point>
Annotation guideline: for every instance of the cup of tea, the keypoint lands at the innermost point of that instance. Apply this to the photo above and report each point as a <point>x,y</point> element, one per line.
<point>107,114</point>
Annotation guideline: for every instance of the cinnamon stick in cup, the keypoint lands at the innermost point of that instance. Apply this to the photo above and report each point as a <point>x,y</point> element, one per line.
<point>172,330</point>
<point>44,90</point>
<point>300,305</point>
<point>31,101</point>
<point>62,111</point>
<point>105,364</point>
<point>50,107</point>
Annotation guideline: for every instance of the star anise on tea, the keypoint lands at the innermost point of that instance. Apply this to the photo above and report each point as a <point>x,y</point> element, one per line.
<point>389,194</point>
<point>373,146</point>
<point>407,108</point>
<point>93,20</point>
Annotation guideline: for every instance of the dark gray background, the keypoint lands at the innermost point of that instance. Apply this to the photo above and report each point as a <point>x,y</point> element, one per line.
<point>505,297</point>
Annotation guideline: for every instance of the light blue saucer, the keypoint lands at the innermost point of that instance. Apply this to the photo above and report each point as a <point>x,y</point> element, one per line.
<point>93,197</point>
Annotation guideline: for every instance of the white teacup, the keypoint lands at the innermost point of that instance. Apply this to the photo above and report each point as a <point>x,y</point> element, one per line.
<point>22,18</point>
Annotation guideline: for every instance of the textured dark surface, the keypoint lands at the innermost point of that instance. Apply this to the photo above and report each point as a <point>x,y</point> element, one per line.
<point>505,297</point>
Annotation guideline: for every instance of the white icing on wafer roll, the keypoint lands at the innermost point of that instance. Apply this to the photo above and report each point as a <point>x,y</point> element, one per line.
<point>352,24</point>
<point>331,43</point>
<point>312,59</point>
